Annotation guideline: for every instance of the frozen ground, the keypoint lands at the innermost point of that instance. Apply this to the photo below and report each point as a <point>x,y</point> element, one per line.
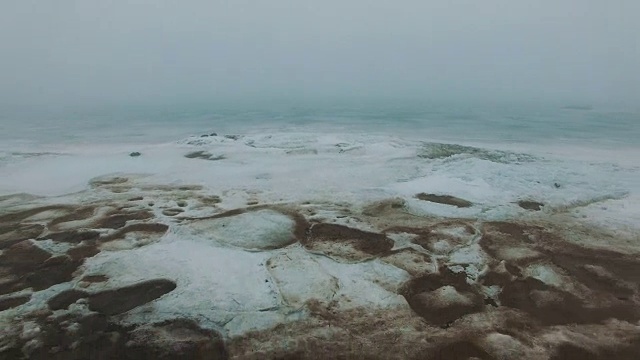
<point>303,244</point>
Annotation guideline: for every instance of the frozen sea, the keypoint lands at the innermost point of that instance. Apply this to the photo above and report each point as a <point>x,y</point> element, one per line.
<point>245,218</point>
<point>360,149</point>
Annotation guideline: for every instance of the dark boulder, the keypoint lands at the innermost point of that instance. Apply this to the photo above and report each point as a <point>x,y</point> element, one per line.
<point>117,301</point>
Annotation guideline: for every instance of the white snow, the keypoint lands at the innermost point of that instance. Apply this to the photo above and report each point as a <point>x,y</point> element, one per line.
<point>223,285</point>
<point>259,167</point>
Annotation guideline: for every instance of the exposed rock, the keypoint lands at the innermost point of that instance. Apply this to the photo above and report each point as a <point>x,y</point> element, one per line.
<point>346,243</point>
<point>364,333</point>
<point>13,301</point>
<point>412,261</point>
<point>24,256</point>
<point>461,350</point>
<point>71,336</point>
<point>530,205</point>
<point>210,200</point>
<point>442,298</point>
<point>551,306</point>
<point>512,242</point>
<point>172,212</point>
<point>133,236</point>
<point>302,151</point>
<point>135,154</point>
<point>95,278</point>
<point>66,298</point>
<point>175,339</point>
<point>572,351</point>
<point>500,275</point>
<point>117,301</point>
<point>25,265</point>
<point>541,289</point>
<point>145,228</point>
<point>381,208</point>
<point>445,236</point>
<point>82,252</point>
<point>435,151</point>
<point>117,221</point>
<point>72,236</point>
<point>54,271</point>
<point>204,155</point>
<point>444,199</point>
<point>14,233</point>
<point>19,216</point>
<point>95,336</point>
<point>66,221</point>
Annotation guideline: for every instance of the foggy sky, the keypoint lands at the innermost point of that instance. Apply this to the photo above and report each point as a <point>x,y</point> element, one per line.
<point>117,51</point>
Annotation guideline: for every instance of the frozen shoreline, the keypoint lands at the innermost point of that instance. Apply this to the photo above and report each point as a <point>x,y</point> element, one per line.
<point>252,235</point>
<point>359,168</point>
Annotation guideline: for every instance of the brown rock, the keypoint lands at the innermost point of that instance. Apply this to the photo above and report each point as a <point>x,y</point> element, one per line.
<point>117,221</point>
<point>551,306</point>
<point>204,155</point>
<point>55,270</point>
<point>95,278</point>
<point>530,205</point>
<point>331,239</point>
<point>79,213</point>
<point>14,233</point>
<point>24,214</point>
<point>175,339</point>
<point>38,272</point>
<point>72,236</point>
<point>13,301</point>
<point>24,256</point>
<point>66,298</point>
<point>117,301</point>
<point>82,252</point>
<point>444,199</point>
<point>570,351</point>
<point>172,212</point>
<point>442,298</point>
<point>461,350</point>
<point>148,231</point>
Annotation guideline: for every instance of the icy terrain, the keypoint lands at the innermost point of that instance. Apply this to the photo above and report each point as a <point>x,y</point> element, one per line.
<point>273,244</point>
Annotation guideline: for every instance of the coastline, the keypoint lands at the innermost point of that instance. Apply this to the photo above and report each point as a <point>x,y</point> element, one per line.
<point>311,245</point>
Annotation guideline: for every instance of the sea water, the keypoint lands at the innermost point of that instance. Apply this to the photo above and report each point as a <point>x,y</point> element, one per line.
<point>496,124</point>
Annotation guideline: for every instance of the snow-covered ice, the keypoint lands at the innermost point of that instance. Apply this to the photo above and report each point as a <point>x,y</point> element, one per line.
<point>413,225</point>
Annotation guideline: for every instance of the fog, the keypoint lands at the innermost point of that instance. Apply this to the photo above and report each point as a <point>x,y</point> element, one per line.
<point>156,51</point>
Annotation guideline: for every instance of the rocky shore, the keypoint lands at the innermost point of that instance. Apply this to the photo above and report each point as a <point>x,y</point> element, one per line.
<point>132,270</point>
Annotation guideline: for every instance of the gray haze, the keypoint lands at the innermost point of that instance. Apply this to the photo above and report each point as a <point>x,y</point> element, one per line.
<point>148,51</point>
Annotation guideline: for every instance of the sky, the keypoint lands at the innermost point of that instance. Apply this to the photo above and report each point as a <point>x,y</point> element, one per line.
<point>159,51</point>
